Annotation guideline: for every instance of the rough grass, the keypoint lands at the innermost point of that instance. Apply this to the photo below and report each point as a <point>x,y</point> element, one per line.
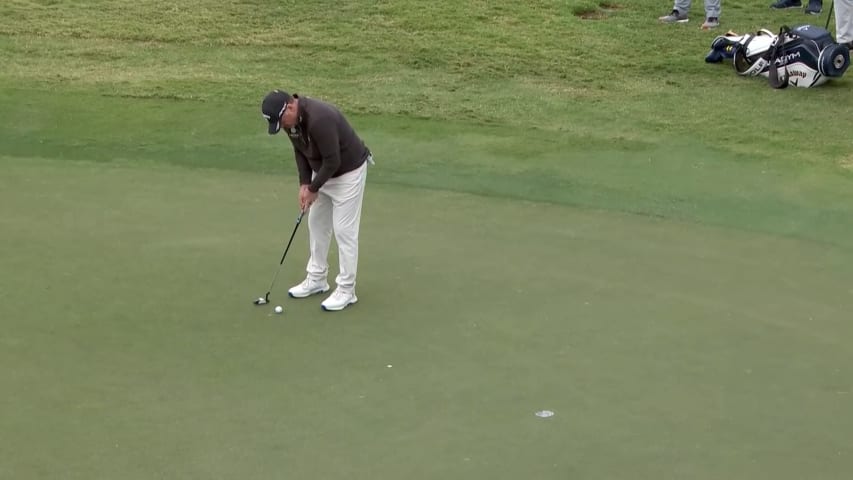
<point>534,64</point>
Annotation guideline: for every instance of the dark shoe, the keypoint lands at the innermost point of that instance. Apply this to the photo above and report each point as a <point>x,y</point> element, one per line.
<point>711,22</point>
<point>674,17</point>
<point>780,4</point>
<point>814,7</point>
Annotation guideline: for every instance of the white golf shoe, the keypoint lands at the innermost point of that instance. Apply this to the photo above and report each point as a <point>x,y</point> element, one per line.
<point>339,300</point>
<point>308,287</point>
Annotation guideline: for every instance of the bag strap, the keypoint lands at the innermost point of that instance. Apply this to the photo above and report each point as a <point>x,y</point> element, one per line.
<point>740,62</point>
<point>777,51</point>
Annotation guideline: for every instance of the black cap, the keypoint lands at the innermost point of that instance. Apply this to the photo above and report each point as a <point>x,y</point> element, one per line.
<point>272,108</point>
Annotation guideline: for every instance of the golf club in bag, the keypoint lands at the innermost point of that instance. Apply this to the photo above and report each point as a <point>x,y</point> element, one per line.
<point>266,298</point>
<point>829,15</point>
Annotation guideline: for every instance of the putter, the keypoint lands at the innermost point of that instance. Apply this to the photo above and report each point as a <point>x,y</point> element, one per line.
<point>266,298</point>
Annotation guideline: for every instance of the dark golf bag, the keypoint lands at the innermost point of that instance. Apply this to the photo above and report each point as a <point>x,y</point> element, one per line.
<point>805,56</point>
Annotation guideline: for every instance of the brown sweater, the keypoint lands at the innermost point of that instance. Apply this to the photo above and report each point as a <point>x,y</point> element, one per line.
<point>324,143</point>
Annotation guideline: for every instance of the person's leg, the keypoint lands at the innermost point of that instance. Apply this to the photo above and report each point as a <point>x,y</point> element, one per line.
<point>713,8</point>
<point>683,6</point>
<point>814,7</point>
<point>346,193</point>
<point>844,22</point>
<point>712,14</point>
<point>346,217</point>
<point>319,238</point>
<point>678,14</point>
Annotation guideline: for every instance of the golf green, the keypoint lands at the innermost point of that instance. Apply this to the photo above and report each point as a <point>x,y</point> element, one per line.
<point>131,348</point>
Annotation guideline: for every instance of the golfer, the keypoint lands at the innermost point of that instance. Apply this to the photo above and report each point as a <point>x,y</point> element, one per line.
<point>332,163</point>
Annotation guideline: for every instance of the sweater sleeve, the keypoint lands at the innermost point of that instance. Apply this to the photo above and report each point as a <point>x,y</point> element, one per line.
<point>302,166</point>
<point>325,134</point>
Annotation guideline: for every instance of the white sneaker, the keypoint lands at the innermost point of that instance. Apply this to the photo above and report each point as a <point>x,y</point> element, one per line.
<point>339,300</point>
<point>307,288</point>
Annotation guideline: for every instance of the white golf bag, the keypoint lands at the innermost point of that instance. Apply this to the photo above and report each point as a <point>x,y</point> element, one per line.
<point>805,56</point>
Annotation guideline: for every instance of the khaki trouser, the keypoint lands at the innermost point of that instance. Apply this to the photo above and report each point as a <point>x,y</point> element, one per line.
<point>337,210</point>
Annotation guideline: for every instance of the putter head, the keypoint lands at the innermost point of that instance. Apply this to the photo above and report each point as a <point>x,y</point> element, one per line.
<point>263,300</point>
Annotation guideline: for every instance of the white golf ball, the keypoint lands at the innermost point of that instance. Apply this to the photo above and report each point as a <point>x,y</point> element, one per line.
<point>278,309</point>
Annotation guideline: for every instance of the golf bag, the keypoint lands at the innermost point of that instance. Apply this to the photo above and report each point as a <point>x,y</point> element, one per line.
<point>803,56</point>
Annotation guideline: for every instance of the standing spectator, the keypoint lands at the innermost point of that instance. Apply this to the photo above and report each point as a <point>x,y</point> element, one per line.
<point>681,7</point>
<point>813,8</point>
<point>844,22</point>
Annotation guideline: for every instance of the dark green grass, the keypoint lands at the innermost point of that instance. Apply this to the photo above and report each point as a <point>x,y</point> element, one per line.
<point>666,349</point>
<point>677,179</point>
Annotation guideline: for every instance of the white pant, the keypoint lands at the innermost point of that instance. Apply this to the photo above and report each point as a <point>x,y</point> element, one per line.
<point>337,209</point>
<point>843,21</point>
